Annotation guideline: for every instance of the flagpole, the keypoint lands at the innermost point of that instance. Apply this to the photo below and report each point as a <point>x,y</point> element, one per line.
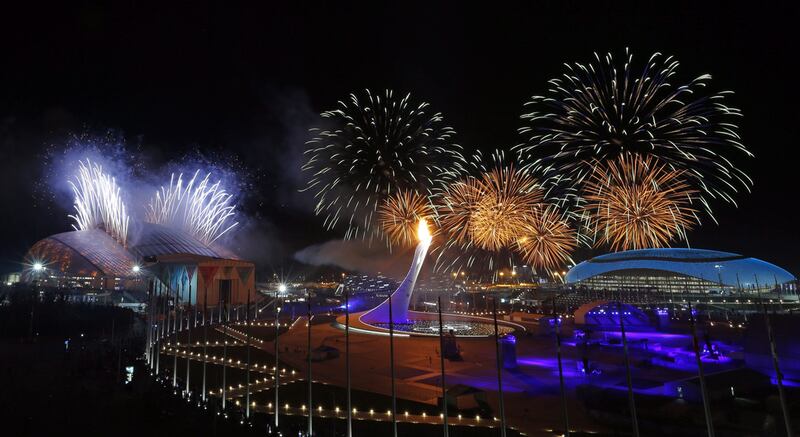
<point>205,335</point>
<point>165,310</point>
<point>347,360</point>
<point>154,330</point>
<point>189,342</point>
<point>499,367</point>
<point>223,308</point>
<point>159,329</point>
<point>445,427</point>
<point>175,345</point>
<point>149,345</point>
<point>564,410</point>
<point>175,354</point>
<point>308,373</point>
<point>247,337</point>
<point>277,363</point>
<point>631,400</point>
<point>391,367</point>
<point>180,325</point>
<point>152,324</point>
<point>775,364</point>
<point>700,374</point>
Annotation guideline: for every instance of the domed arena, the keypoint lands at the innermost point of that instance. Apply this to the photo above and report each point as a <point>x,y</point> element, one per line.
<point>675,270</point>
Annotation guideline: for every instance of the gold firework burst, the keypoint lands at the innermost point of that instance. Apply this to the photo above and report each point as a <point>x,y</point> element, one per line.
<point>548,239</point>
<point>499,217</point>
<point>400,215</point>
<point>457,206</point>
<point>637,202</point>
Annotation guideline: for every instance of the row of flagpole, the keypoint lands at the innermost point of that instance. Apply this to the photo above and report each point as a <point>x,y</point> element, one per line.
<point>163,290</point>
<point>159,322</point>
<point>159,294</point>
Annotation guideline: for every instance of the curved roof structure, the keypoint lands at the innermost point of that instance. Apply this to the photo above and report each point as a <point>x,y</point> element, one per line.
<point>84,253</point>
<point>150,239</point>
<point>731,269</point>
<point>94,253</point>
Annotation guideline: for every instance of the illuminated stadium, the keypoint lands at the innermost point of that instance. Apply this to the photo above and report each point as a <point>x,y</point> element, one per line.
<point>93,259</point>
<point>677,270</point>
<point>174,248</point>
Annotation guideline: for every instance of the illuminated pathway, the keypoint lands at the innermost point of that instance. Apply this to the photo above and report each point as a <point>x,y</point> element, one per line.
<point>378,416</point>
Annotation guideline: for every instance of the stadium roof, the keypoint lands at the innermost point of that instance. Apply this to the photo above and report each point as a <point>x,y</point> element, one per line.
<point>729,268</point>
<point>93,252</point>
<point>149,239</point>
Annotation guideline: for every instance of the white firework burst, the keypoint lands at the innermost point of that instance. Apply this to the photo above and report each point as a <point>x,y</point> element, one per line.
<point>98,202</point>
<point>199,207</point>
<point>377,146</point>
<point>599,110</point>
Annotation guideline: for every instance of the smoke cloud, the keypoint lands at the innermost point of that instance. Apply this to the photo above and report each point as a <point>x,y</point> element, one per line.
<point>355,255</point>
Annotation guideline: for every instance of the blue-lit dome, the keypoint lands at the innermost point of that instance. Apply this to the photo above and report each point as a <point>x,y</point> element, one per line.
<point>710,267</point>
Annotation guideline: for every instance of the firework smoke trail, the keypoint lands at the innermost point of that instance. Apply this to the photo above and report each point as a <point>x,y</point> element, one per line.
<point>548,239</point>
<point>198,207</point>
<point>597,110</point>
<point>400,216</point>
<point>375,147</point>
<point>98,203</point>
<point>636,202</point>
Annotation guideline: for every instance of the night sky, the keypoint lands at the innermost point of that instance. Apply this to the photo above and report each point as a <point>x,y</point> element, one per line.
<point>250,82</point>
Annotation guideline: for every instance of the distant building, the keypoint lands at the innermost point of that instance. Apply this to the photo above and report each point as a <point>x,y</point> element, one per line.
<point>10,278</point>
<point>680,271</point>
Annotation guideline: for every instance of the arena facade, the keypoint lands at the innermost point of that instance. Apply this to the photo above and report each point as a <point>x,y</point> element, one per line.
<point>155,255</point>
<point>675,270</point>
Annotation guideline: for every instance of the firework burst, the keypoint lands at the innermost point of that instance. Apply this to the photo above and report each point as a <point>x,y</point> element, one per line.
<point>506,196</point>
<point>98,203</point>
<point>400,216</point>
<point>199,207</point>
<point>456,206</point>
<point>548,239</point>
<point>482,216</point>
<point>636,202</point>
<point>377,146</point>
<point>598,110</point>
